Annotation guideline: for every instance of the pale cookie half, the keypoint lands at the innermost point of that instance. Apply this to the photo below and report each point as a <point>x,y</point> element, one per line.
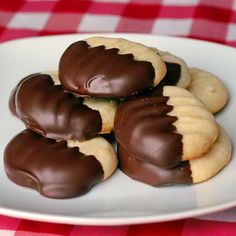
<point>187,172</point>
<point>110,67</point>
<point>185,76</point>
<point>194,122</point>
<point>209,89</point>
<point>58,169</point>
<point>55,113</point>
<point>167,128</point>
<point>214,160</point>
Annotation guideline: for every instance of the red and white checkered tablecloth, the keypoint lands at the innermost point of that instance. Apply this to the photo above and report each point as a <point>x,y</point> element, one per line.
<point>213,20</point>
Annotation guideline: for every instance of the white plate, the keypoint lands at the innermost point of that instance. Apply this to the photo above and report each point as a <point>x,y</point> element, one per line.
<point>119,200</point>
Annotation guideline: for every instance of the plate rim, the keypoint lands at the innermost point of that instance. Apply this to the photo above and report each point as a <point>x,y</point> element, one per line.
<point>106,221</point>
<point>121,34</point>
<point>114,221</point>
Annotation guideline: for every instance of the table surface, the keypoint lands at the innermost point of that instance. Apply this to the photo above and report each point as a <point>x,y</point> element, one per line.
<point>202,19</point>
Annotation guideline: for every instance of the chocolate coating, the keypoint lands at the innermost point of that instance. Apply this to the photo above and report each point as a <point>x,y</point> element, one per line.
<point>11,103</point>
<point>53,112</point>
<point>171,77</point>
<point>96,71</point>
<point>172,74</point>
<point>12,100</point>
<point>144,129</point>
<point>50,167</point>
<point>151,174</point>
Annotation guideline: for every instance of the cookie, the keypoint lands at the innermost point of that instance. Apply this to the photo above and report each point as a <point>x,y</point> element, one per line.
<point>167,128</point>
<point>54,169</point>
<point>47,108</point>
<point>110,67</point>
<point>178,73</point>
<point>187,172</point>
<point>209,89</point>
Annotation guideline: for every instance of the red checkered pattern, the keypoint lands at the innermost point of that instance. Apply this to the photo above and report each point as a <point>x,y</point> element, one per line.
<point>188,227</point>
<point>213,20</point>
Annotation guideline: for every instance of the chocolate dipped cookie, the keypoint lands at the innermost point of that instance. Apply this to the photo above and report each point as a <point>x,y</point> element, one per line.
<point>46,107</point>
<point>186,172</point>
<point>58,169</point>
<point>166,128</point>
<point>110,67</point>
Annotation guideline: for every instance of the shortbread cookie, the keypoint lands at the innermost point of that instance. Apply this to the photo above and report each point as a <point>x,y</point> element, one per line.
<point>187,172</point>
<point>47,108</point>
<point>166,129</point>
<point>110,67</point>
<point>177,73</point>
<point>209,89</point>
<point>54,169</point>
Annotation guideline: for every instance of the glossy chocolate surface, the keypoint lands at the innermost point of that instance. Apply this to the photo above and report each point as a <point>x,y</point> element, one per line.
<point>96,71</point>
<point>151,174</point>
<point>144,129</point>
<point>11,102</point>
<point>53,112</point>
<point>50,167</point>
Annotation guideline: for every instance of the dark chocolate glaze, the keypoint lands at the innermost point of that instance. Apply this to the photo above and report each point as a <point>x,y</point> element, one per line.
<point>50,167</point>
<point>171,78</point>
<point>144,129</point>
<point>96,71</point>
<point>11,103</point>
<point>53,112</point>
<point>172,74</point>
<point>152,174</point>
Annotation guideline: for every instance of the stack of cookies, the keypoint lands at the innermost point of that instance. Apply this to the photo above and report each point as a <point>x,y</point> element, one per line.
<point>160,110</point>
<point>61,153</point>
